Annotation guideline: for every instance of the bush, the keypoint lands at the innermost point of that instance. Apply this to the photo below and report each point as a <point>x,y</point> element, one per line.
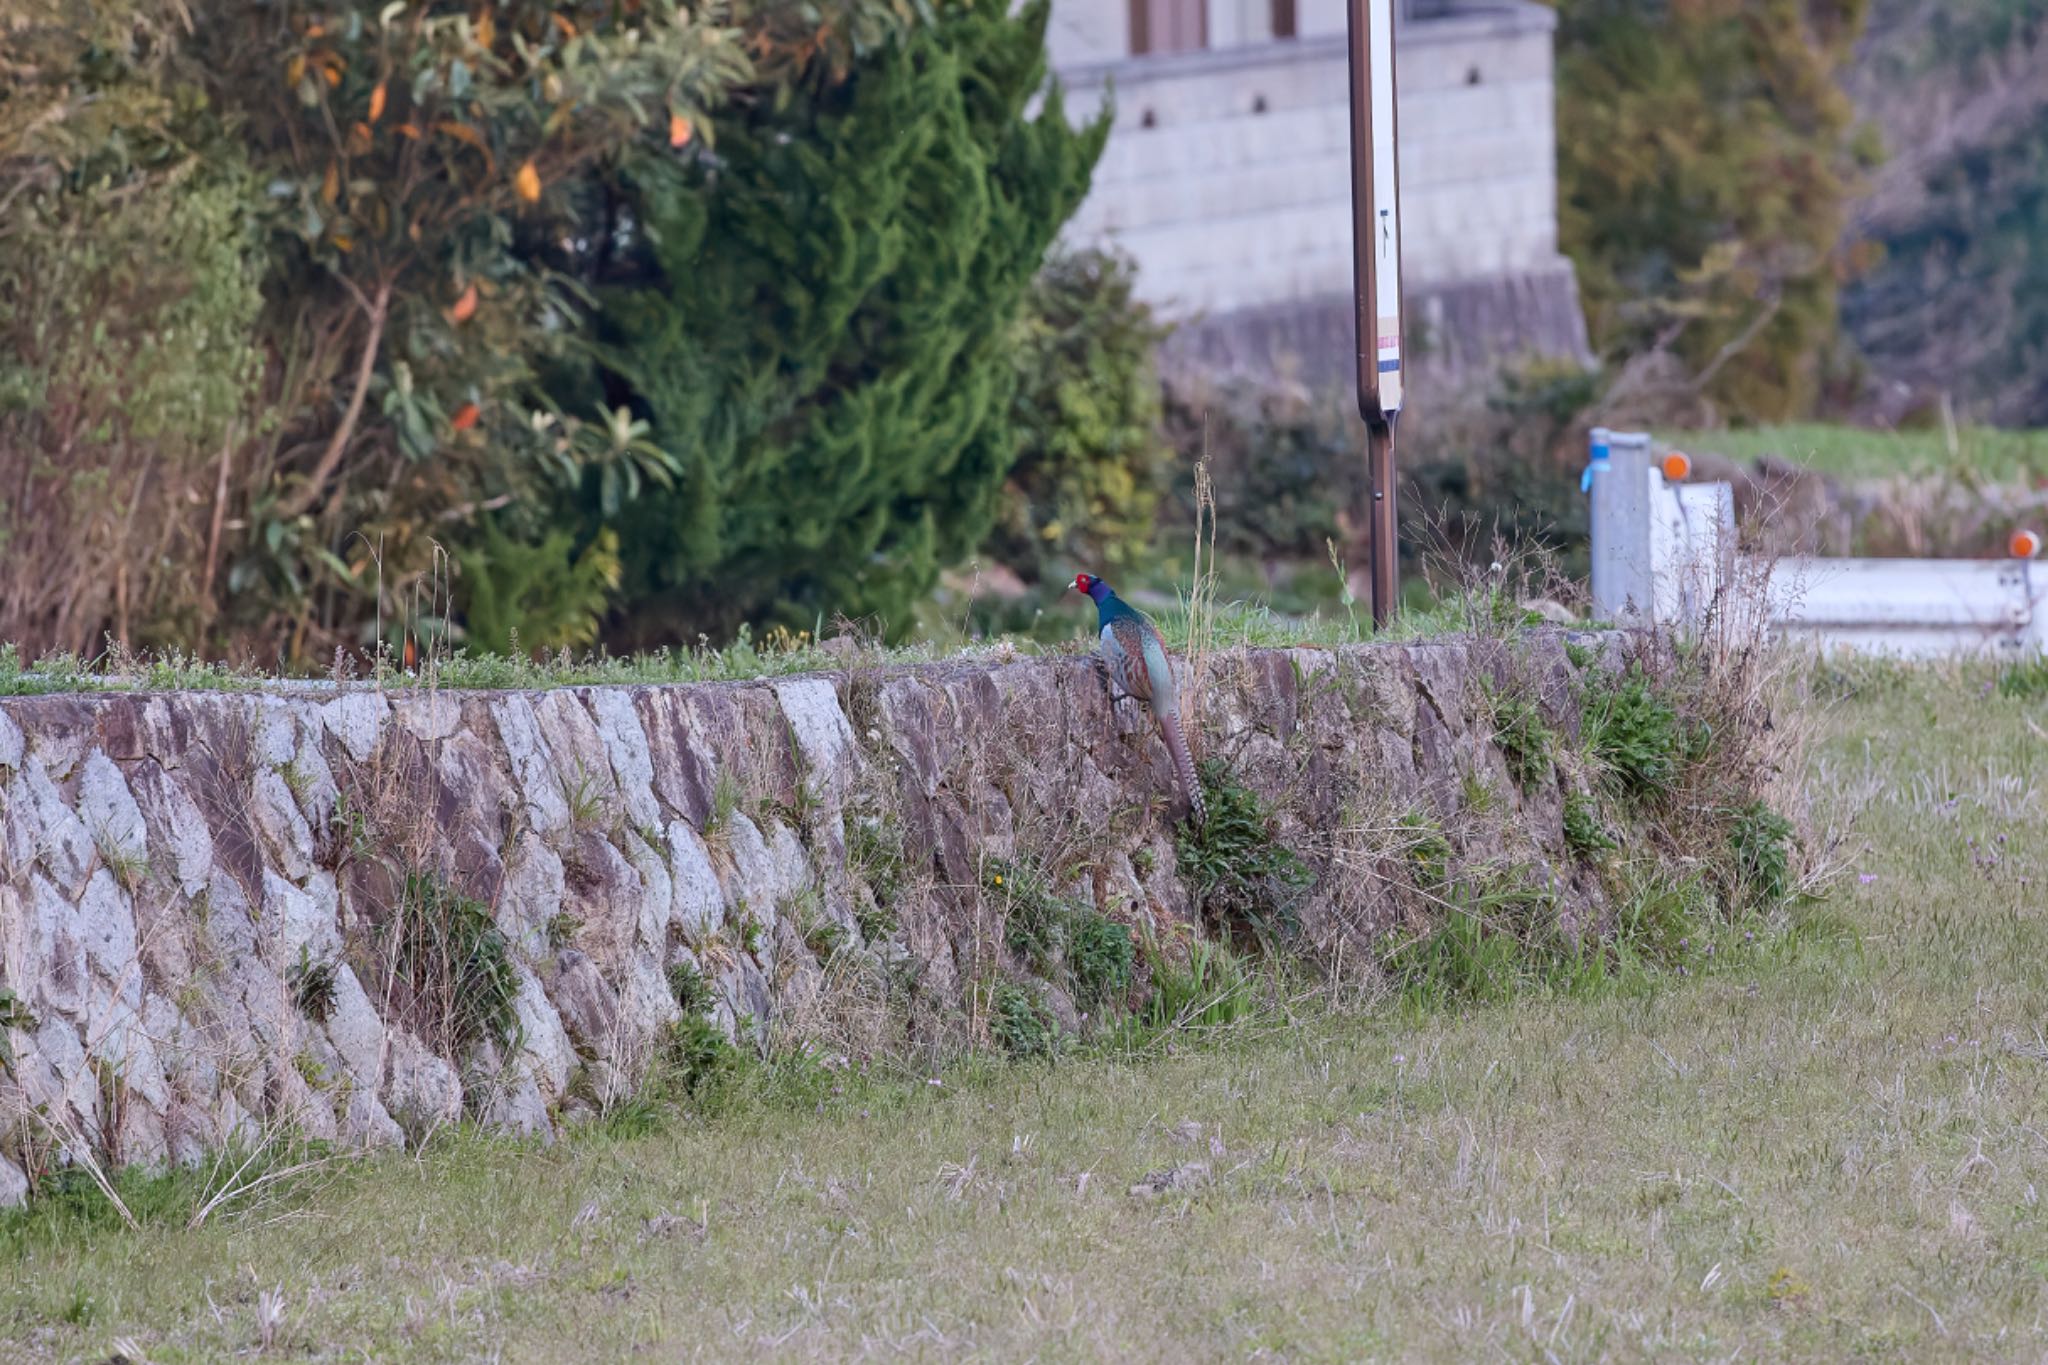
<point>1505,470</point>
<point>525,597</point>
<point>328,288</point>
<point>128,304</point>
<point>1092,461</point>
<point>1287,469</point>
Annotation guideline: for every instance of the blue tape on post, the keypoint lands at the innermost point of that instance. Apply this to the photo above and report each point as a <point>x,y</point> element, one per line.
<point>1597,465</point>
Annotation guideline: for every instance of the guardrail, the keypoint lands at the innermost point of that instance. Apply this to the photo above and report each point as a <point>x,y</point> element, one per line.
<point>1664,549</point>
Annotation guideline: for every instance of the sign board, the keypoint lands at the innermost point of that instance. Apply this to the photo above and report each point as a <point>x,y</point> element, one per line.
<point>1376,210</point>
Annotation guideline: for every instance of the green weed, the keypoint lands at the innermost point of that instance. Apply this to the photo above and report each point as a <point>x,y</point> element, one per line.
<point>313,986</point>
<point>452,965</point>
<point>696,1055</point>
<point>2026,680</point>
<point>1662,915</point>
<point>67,1207</point>
<point>1585,834</point>
<point>1429,852</point>
<point>1762,841</point>
<point>1524,737</point>
<point>13,1015</point>
<point>1633,735</point>
<point>691,991</point>
<point>1034,914</point>
<point>1060,937</point>
<point>1212,990</point>
<point>1019,1024</point>
<point>1843,677</point>
<point>1502,939</point>
<point>585,799</point>
<point>726,798</point>
<point>825,937</point>
<point>1242,877</point>
<point>1100,956</point>
<point>874,856</point>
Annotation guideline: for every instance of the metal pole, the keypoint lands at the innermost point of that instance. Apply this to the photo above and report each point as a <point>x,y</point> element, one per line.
<point>1365,312</point>
<point>1386,547</point>
<point>1375,244</point>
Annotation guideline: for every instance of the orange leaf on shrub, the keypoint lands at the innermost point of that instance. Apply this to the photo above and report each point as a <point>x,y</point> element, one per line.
<point>486,30</point>
<point>679,130</point>
<point>526,184</point>
<point>465,307</point>
<point>377,102</point>
<point>465,417</point>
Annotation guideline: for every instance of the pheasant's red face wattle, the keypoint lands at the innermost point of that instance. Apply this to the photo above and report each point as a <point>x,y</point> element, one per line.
<point>1082,582</point>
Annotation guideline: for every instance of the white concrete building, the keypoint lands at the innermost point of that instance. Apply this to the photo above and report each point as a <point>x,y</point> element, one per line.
<point>1227,175</point>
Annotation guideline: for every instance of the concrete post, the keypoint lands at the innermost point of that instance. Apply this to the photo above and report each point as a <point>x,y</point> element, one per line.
<point>1618,477</point>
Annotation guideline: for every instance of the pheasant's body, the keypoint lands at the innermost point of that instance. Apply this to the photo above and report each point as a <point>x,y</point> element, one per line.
<point>1136,658</point>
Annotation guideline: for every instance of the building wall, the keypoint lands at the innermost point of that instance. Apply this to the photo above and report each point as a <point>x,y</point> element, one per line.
<point>1227,175</point>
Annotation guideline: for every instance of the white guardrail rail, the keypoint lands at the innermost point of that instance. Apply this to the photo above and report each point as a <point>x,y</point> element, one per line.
<point>1663,548</point>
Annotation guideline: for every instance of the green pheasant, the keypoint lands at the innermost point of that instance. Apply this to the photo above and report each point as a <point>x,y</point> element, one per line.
<point>1136,658</point>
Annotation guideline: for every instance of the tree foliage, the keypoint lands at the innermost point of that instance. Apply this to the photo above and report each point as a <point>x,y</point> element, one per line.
<point>321,278</point>
<point>1706,152</point>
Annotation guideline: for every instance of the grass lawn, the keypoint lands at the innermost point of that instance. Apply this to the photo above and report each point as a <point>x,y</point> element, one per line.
<point>1857,453</point>
<point>1830,1144</point>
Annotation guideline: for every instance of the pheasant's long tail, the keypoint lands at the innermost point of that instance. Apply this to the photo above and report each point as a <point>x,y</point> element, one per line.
<point>1184,765</point>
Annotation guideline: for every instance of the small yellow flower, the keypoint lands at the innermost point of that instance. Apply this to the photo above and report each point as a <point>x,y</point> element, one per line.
<point>999,879</point>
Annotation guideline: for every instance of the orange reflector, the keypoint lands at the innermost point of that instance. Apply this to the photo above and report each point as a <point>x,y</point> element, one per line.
<point>2024,544</point>
<point>1677,466</point>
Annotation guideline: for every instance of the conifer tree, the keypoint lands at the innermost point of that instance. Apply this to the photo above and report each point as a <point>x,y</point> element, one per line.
<point>822,345</point>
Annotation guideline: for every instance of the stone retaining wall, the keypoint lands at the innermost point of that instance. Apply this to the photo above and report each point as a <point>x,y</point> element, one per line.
<point>225,911</point>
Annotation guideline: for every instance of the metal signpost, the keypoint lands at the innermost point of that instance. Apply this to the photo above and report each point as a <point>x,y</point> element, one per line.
<point>1376,276</point>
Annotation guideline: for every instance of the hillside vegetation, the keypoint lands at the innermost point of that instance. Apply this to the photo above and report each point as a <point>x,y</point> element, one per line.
<point>1955,294</point>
